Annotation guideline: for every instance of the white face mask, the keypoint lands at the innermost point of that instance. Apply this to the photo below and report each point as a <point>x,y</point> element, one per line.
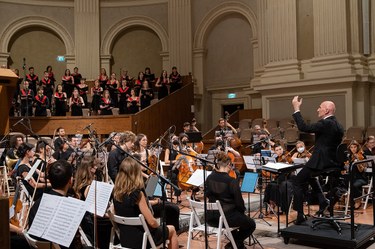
<point>301,149</point>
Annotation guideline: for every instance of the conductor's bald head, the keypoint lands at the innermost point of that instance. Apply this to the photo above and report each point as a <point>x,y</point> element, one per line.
<point>326,108</point>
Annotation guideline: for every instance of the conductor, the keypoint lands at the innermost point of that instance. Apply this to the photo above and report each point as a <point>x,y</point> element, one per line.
<point>328,135</point>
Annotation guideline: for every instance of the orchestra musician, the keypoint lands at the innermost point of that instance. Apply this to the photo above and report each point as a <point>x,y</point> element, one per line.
<point>116,156</point>
<point>130,200</point>
<point>63,152</point>
<point>301,151</point>
<point>224,127</point>
<point>358,172</point>
<point>170,156</point>
<point>12,160</point>
<point>60,175</point>
<point>26,153</point>
<point>222,187</point>
<point>328,135</point>
<point>140,148</point>
<point>369,146</point>
<point>60,132</point>
<point>276,190</point>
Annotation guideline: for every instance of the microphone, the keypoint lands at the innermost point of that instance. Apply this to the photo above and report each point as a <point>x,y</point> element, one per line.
<point>87,126</point>
<point>19,121</point>
<point>24,63</point>
<point>108,140</point>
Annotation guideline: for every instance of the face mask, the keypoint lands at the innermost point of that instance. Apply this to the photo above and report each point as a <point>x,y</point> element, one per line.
<point>175,142</point>
<point>301,149</point>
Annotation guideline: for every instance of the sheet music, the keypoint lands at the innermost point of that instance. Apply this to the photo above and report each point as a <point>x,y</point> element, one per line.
<point>251,162</point>
<point>299,160</point>
<point>277,166</point>
<point>196,178</point>
<point>58,218</point>
<point>33,169</point>
<point>103,193</point>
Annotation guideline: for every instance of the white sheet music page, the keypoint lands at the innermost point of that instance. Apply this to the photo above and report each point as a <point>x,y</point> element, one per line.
<point>58,218</point>
<point>196,178</point>
<point>103,193</point>
<point>277,166</point>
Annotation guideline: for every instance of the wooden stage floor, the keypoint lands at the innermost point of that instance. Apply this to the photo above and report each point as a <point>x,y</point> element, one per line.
<point>266,234</point>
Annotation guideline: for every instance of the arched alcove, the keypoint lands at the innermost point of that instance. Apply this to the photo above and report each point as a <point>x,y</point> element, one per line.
<point>135,48</point>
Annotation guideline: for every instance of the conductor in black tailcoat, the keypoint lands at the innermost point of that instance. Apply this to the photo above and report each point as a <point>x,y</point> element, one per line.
<point>328,135</point>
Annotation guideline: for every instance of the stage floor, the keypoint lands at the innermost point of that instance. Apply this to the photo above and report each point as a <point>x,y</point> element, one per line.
<point>267,235</point>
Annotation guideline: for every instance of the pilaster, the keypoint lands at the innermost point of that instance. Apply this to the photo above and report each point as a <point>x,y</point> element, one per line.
<point>87,37</point>
<point>371,59</point>
<point>180,35</point>
<point>281,25</point>
<point>4,59</point>
<point>331,29</point>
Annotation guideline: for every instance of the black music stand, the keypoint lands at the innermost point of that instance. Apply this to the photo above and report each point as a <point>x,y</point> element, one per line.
<point>194,137</point>
<point>258,162</point>
<point>248,186</point>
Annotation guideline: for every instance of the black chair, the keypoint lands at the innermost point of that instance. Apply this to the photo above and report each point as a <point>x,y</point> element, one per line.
<point>336,190</point>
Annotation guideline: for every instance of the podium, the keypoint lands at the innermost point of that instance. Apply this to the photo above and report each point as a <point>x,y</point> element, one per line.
<point>8,84</point>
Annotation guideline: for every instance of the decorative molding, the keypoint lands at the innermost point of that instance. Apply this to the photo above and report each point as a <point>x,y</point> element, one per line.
<point>130,22</point>
<point>36,21</point>
<point>70,3</point>
<point>214,15</point>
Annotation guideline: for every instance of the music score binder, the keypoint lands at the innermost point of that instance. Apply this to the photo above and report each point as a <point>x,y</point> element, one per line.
<point>249,182</point>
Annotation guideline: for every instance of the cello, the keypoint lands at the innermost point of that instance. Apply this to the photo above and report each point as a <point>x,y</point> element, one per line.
<point>186,167</point>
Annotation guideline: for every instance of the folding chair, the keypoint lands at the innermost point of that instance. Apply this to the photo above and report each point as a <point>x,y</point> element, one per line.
<point>131,221</point>
<point>40,244</point>
<point>222,229</point>
<point>25,200</point>
<point>4,180</point>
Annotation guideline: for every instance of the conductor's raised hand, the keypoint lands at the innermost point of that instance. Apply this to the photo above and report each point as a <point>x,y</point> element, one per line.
<point>296,102</point>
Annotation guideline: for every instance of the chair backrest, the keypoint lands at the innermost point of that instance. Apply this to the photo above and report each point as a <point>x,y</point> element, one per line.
<point>286,123</point>
<point>291,135</point>
<point>85,112</point>
<point>257,121</point>
<point>370,131</point>
<point>246,134</point>
<point>136,221</point>
<point>39,244</point>
<point>354,133</point>
<point>272,123</point>
<point>115,111</point>
<point>244,124</point>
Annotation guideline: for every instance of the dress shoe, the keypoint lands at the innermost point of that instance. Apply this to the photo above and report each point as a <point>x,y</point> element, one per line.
<point>323,207</point>
<point>301,218</point>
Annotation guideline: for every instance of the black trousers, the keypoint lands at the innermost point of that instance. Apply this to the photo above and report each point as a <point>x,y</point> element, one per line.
<point>246,225</point>
<point>304,178</point>
<point>172,213</point>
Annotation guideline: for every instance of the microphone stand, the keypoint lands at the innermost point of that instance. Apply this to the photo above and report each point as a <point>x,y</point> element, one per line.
<point>204,163</point>
<point>162,179</point>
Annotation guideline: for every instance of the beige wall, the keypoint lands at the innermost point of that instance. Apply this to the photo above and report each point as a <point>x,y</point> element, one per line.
<point>266,51</point>
<point>40,47</point>
<point>135,49</point>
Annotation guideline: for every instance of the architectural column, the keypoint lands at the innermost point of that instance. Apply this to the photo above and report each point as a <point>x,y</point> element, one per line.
<point>262,38</point>
<point>87,37</point>
<point>356,41</point>
<point>4,59</point>
<point>180,36</point>
<point>371,59</point>
<point>281,25</point>
<point>331,29</point>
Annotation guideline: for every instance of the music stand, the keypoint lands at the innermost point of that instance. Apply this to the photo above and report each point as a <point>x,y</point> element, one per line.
<point>248,186</point>
<point>261,215</point>
<point>194,137</point>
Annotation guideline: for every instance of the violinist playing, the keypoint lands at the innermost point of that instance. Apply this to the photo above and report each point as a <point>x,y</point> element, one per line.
<point>275,193</point>
<point>301,151</point>
<point>359,172</point>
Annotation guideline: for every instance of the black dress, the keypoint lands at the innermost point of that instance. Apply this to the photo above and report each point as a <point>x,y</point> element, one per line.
<point>83,93</point>
<point>41,103</point>
<point>133,105</point>
<point>96,98</point>
<point>68,85</point>
<point>30,189</point>
<point>26,97</point>
<point>49,86</point>
<point>112,88</point>
<point>124,95</point>
<point>76,106</point>
<point>60,104</point>
<point>131,236</point>
<point>175,82</point>
<point>163,90</point>
<point>106,109</point>
<point>146,96</point>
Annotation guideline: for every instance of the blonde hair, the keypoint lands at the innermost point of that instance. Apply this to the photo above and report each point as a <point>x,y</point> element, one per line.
<point>129,178</point>
<point>83,176</point>
<point>222,160</point>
